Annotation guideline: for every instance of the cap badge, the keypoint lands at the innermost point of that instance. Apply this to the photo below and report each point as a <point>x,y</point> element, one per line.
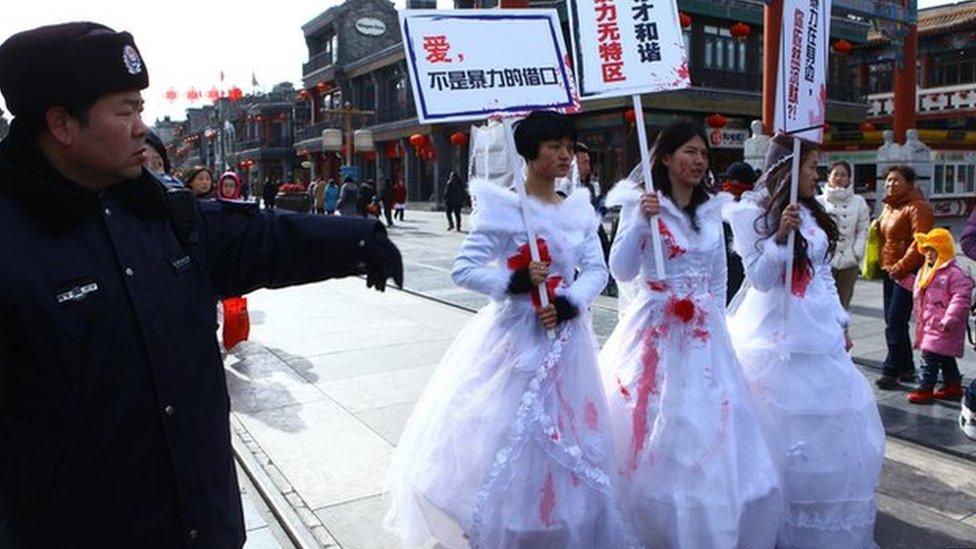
<point>133,63</point>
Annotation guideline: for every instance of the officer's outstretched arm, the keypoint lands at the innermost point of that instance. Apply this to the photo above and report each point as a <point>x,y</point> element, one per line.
<point>248,249</point>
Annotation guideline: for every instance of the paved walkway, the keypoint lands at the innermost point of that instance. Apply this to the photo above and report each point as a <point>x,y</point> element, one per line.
<point>323,389</point>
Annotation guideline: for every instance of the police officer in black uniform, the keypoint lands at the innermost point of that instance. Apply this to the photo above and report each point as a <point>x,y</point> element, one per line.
<point>114,427</point>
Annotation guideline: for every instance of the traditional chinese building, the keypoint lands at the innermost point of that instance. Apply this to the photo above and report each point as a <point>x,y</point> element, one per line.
<point>257,134</point>
<point>945,106</point>
<point>356,60</point>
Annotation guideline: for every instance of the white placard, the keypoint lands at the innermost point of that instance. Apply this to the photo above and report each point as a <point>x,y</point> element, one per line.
<point>475,64</point>
<point>628,47</point>
<point>801,83</point>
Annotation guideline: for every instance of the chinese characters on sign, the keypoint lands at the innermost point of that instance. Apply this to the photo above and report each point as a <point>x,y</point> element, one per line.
<point>461,70</point>
<point>608,36</point>
<point>437,48</point>
<point>645,32</point>
<point>627,47</point>
<point>493,78</point>
<point>801,91</point>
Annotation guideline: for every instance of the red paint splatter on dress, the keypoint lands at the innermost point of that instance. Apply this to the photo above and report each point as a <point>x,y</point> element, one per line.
<point>590,415</point>
<point>657,285</point>
<point>801,279</point>
<point>674,250</point>
<point>647,384</point>
<point>623,390</point>
<point>566,409</point>
<point>548,502</point>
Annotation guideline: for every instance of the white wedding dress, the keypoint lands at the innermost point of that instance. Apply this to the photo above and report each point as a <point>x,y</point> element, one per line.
<point>818,411</point>
<point>510,444</point>
<point>693,467</point>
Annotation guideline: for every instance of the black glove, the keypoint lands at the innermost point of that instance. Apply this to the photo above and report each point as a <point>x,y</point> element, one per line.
<point>383,261</point>
<point>565,310</point>
<point>520,282</point>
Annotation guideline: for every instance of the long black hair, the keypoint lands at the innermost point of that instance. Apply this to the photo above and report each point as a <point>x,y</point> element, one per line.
<point>671,138</point>
<point>778,182</point>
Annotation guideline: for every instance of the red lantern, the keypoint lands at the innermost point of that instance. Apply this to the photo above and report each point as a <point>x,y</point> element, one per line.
<point>171,95</point>
<point>321,86</point>
<point>459,138</point>
<point>393,149</point>
<point>235,94</point>
<point>716,121</point>
<point>213,94</point>
<point>740,30</point>
<point>302,95</point>
<point>843,47</point>
<point>192,95</point>
<point>866,127</point>
<point>418,140</point>
<point>630,116</point>
<point>685,20</point>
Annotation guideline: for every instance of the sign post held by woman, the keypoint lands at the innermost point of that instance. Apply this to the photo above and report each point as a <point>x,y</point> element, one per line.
<point>801,90</point>
<point>630,48</point>
<point>460,71</point>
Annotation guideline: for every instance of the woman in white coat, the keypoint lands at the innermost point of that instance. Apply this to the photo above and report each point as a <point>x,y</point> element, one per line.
<point>852,215</point>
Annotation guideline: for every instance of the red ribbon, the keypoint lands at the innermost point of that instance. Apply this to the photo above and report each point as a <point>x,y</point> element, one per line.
<point>522,259</point>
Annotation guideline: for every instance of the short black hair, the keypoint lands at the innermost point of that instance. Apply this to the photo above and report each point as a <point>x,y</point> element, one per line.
<point>541,126</point>
<point>582,148</point>
<point>32,123</point>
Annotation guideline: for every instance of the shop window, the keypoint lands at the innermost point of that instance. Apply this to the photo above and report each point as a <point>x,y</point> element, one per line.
<point>958,67</point>
<point>880,77</point>
<point>722,52</point>
<point>954,179</point>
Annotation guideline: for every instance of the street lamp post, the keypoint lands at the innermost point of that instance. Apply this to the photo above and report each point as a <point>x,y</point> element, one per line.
<point>347,112</point>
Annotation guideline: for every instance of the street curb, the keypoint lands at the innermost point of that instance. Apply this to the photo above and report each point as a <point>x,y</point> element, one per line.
<point>292,525</point>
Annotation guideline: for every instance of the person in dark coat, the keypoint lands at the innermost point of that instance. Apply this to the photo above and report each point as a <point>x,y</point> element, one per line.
<point>455,197</point>
<point>365,198</point>
<point>270,193</point>
<point>386,196</point>
<point>737,179</point>
<point>114,424</point>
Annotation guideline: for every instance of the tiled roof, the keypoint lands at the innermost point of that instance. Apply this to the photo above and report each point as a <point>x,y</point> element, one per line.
<point>940,19</point>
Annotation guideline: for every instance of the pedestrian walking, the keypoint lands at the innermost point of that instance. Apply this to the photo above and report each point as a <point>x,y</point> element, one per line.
<point>270,192</point>
<point>319,196</point>
<point>942,293</point>
<point>585,169</point>
<point>114,414</point>
<point>200,180</point>
<point>229,186</point>
<point>852,216</point>
<point>331,197</point>
<point>348,197</point>
<point>509,446</point>
<point>819,414</point>
<point>455,197</point>
<point>399,199</point>
<point>967,416</point>
<point>673,382</point>
<point>905,213</point>
<point>738,179</point>
<point>365,199</point>
<point>386,197</point>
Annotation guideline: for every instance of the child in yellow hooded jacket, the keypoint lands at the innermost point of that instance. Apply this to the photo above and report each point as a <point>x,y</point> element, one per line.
<point>942,293</point>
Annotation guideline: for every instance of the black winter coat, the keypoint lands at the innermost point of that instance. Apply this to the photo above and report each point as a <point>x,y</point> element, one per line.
<point>114,428</point>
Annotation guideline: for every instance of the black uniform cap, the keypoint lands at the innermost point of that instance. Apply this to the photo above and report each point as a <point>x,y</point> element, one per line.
<point>68,64</point>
